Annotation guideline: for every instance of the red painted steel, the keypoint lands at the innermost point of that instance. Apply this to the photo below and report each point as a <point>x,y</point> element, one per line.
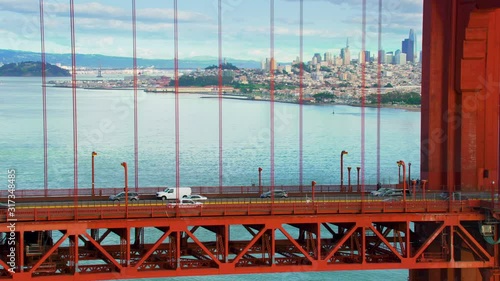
<point>75,103</point>
<point>379,85</point>
<point>135,73</point>
<point>44,99</point>
<point>219,22</point>
<point>271,92</point>
<point>298,239</point>
<point>460,101</point>
<point>460,117</point>
<point>301,97</point>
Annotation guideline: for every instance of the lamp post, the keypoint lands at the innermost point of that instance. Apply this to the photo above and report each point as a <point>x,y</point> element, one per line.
<point>358,168</point>
<point>414,187</point>
<point>94,154</point>
<point>399,176</point>
<point>409,174</point>
<point>124,164</point>
<point>423,182</point>
<point>402,163</point>
<point>342,170</point>
<point>493,194</point>
<point>260,180</point>
<point>313,184</point>
<point>349,179</point>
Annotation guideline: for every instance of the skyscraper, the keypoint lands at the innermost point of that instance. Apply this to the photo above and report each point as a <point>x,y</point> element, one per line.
<point>413,36</point>
<point>381,56</point>
<point>408,47</point>
<point>318,57</point>
<point>346,54</point>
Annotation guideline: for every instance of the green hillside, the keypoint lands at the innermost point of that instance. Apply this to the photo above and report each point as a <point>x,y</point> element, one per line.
<point>31,68</point>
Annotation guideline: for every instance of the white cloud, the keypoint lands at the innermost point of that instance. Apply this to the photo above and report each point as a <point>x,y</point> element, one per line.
<point>107,29</point>
<point>98,10</point>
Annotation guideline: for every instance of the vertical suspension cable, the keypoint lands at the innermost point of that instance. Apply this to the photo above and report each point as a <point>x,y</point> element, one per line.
<point>220,94</point>
<point>363,97</point>
<point>136,134</point>
<point>301,98</point>
<point>44,101</point>
<point>271,82</point>
<point>75,111</point>
<point>379,85</point>
<point>176,77</point>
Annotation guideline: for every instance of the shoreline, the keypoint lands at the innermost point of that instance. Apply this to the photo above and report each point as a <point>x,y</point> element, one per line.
<point>412,108</point>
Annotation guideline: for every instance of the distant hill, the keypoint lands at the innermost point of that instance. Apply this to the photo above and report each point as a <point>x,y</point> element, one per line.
<point>30,68</point>
<point>95,61</point>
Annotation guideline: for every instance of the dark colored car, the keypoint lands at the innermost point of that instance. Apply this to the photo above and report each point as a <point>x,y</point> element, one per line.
<point>132,196</point>
<point>277,194</point>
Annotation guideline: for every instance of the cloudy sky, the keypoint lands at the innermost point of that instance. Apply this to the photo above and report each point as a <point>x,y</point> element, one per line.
<point>105,27</point>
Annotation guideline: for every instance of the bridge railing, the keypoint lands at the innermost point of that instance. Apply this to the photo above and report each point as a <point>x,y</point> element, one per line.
<point>250,191</point>
<point>253,189</point>
<point>101,211</point>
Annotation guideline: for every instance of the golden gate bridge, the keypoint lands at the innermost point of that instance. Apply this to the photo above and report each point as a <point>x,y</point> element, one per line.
<point>435,241</point>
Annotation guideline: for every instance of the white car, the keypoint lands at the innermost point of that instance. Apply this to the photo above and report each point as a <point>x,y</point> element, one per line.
<point>197,197</point>
<point>380,192</point>
<point>185,203</point>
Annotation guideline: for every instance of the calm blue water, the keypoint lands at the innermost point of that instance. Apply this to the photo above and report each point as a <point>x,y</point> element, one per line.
<point>105,125</point>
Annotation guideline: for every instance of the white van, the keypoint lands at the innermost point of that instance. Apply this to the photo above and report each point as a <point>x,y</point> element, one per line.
<point>170,193</point>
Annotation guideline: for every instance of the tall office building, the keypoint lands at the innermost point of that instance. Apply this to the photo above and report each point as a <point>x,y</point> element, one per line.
<point>408,46</point>
<point>413,36</point>
<point>399,57</point>
<point>345,53</point>
<point>328,57</point>
<point>362,57</point>
<point>367,56</point>
<point>318,57</point>
<point>381,57</point>
<point>389,58</point>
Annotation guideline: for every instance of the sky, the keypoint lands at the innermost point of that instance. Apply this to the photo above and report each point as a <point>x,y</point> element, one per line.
<point>105,27</point>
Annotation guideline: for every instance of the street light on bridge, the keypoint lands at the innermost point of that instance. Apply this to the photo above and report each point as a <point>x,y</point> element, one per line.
<point>260,180</point>
<point>93,182</point>
<point>409,174</point>
<point>124,164</point>
<point>342,170</point>
<point>313,185</point>
<point>401,163</point>
<point>358,189</point>
<point>349,179</point>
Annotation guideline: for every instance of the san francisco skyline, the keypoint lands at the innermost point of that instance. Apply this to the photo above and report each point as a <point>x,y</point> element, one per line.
<point>105,28</point>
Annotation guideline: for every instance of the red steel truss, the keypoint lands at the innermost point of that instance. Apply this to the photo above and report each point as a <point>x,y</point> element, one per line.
<point>161,241</point>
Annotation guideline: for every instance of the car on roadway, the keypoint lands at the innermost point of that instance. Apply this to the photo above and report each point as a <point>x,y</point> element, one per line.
<point>185,203</point>
<point>396,192</point>
<point>380,192</point>
<point>197,197</point>
<point>393,199</point>
<point>278,193</point>
<point>132,196</point>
